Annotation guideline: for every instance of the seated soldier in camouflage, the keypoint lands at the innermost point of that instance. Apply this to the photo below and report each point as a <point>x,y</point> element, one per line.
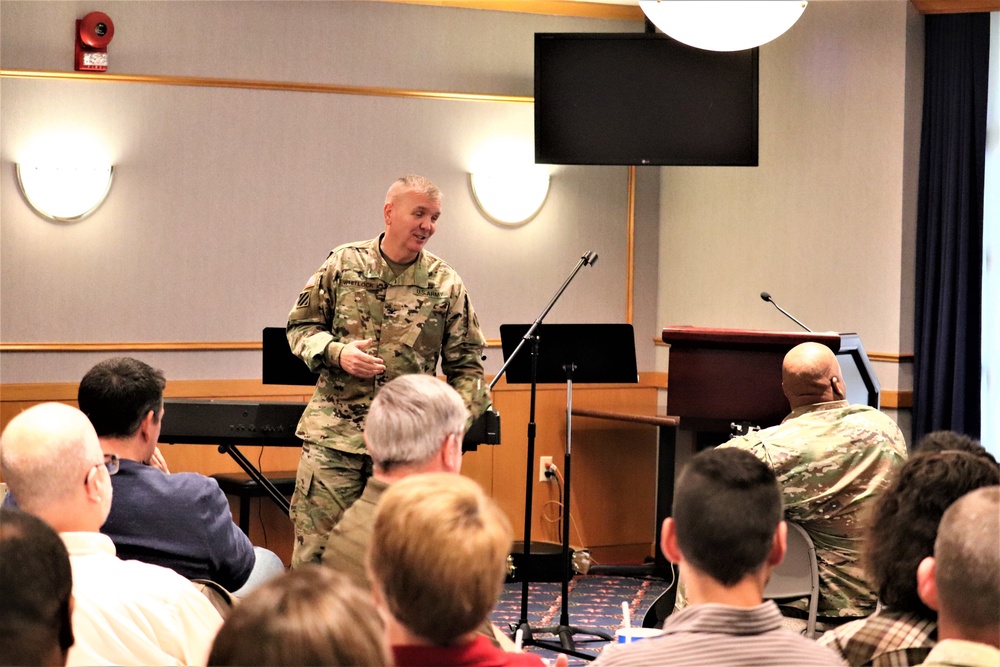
<point>374,311</point>
<point>832,461</point>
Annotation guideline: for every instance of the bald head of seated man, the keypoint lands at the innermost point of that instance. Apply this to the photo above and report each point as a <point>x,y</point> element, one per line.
<point>811,374</point>
<point>125,612</point>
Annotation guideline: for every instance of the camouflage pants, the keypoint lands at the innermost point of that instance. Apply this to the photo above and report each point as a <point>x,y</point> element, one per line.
<point>328,481</point>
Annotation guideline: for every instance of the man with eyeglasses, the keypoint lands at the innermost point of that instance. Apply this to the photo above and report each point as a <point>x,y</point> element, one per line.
<point>125,612</point>
<point>180,520</point>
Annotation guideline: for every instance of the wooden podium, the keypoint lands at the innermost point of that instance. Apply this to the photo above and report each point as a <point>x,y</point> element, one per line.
<point>718,377</point>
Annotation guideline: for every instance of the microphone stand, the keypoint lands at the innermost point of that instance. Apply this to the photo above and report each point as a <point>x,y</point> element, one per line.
<point>767,297</point>
<point>588,259</point>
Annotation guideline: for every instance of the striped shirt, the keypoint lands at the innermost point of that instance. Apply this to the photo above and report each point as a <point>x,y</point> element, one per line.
<point>718,634</point>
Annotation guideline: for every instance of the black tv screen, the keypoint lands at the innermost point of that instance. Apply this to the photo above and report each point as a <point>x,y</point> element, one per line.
<point>643,99</point>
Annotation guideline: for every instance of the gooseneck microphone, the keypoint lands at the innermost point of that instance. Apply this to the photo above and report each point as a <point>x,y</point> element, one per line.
<point>767,297</point>
<point>589,258</point>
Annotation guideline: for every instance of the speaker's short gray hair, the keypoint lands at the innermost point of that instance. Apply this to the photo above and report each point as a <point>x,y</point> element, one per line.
<point>410,418</point>
<point>413,182</point>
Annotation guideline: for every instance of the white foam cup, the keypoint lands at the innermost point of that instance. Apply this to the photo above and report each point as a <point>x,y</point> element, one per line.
<point>627,635</point>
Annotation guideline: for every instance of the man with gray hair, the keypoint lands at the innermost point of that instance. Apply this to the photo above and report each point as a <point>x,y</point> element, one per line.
<point>961,581</point>
<point>415,425</point>
<point>375,310</point>
<point>126,612</point>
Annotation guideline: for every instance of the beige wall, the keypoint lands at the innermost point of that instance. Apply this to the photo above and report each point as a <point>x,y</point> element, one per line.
<point>825,223</point>
<point>225,200</point>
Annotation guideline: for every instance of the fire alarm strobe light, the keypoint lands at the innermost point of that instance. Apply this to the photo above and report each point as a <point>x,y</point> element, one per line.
<point>93,34</point>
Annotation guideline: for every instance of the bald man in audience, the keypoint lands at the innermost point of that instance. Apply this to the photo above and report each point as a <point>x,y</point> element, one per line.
<point>961,581</point>
<point>126,612</point>
<point>832,461</point>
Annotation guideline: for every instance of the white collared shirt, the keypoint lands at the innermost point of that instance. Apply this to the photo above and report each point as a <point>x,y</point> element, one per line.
<point>132,613</point>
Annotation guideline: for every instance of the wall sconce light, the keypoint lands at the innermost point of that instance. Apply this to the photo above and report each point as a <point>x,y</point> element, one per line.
<point>512,196</point>
<point>65,193</point>
<point>723,25</point>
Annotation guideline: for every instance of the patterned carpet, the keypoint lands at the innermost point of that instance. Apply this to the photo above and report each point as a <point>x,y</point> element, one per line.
<point>595,601</point>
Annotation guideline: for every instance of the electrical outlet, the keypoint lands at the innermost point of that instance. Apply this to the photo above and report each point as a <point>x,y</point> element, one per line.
<point>543,464</point>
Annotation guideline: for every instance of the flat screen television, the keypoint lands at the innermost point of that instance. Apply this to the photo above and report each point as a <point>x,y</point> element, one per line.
<point>643,99</point>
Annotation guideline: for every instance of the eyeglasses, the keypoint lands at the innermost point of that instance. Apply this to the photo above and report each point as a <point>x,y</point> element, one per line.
<point>110,462</point>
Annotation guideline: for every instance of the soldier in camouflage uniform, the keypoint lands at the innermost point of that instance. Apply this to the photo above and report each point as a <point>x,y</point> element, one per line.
<point>832,461</point>
<point>373,311</point>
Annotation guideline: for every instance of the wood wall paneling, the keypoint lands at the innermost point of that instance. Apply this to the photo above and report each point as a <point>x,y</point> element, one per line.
<point>613,471</point>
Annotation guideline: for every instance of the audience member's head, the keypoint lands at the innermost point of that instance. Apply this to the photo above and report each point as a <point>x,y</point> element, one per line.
<point>53,464</point>
<point>962,579</point>
<point>904,525</point>
<point>36,586</point>
<point>950,441</point>
<point>811,374</point>
<point>416,423</point>
<point>122,395</point>
<point>712,527</point>
<point>308,616</point>
<point>439,556</point>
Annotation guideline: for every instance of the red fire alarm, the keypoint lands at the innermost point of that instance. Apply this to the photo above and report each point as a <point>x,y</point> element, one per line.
<point>93,34</point>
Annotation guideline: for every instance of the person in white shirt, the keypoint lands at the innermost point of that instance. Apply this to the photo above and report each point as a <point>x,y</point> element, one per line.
<point>125,612</point>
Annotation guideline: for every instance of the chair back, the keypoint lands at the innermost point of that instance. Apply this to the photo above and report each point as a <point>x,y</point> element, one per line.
<point>798,575</point>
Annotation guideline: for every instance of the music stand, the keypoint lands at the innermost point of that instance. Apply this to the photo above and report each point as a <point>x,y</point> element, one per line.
<point>592,353</point>
<point>278,364</point>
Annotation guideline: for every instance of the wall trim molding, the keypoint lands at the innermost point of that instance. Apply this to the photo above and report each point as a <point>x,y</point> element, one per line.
<point>287,86</point>
<point>614,10</point>
<point>204,346</point>
<point>150,346</point>
<point>897,399</point>
<point>884,357</point>
<point>593,10</point>
<point>892,357</point>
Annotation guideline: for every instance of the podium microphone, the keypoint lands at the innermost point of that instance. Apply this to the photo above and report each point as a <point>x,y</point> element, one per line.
<point>589,258</point>
<point>767,297</point>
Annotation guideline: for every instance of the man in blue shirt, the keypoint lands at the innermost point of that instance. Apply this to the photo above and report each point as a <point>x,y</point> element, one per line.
<point>182,520</point>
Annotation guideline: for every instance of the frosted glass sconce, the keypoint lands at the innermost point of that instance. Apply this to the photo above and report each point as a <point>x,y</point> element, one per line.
<point>65,193</point>
<point>512,196</point>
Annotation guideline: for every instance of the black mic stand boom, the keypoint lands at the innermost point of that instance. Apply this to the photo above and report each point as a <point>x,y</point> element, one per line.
<point>588,259</point>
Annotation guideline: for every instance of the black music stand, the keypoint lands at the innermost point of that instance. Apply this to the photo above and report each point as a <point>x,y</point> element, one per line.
<point>564,353</point>
<point>278,364</point>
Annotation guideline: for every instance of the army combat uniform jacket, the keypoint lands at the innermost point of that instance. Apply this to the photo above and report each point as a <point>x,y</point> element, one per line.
<point>832,461</point>
<point>413,319</point>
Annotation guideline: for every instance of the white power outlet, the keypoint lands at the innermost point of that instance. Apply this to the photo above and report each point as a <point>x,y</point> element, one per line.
<point>543,464</point>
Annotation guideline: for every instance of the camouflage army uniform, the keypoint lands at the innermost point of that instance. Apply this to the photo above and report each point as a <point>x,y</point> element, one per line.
<point>413,320</point>
<point>832,461</point>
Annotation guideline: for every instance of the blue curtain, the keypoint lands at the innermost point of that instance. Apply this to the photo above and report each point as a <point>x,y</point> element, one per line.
<point>948,318</point>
